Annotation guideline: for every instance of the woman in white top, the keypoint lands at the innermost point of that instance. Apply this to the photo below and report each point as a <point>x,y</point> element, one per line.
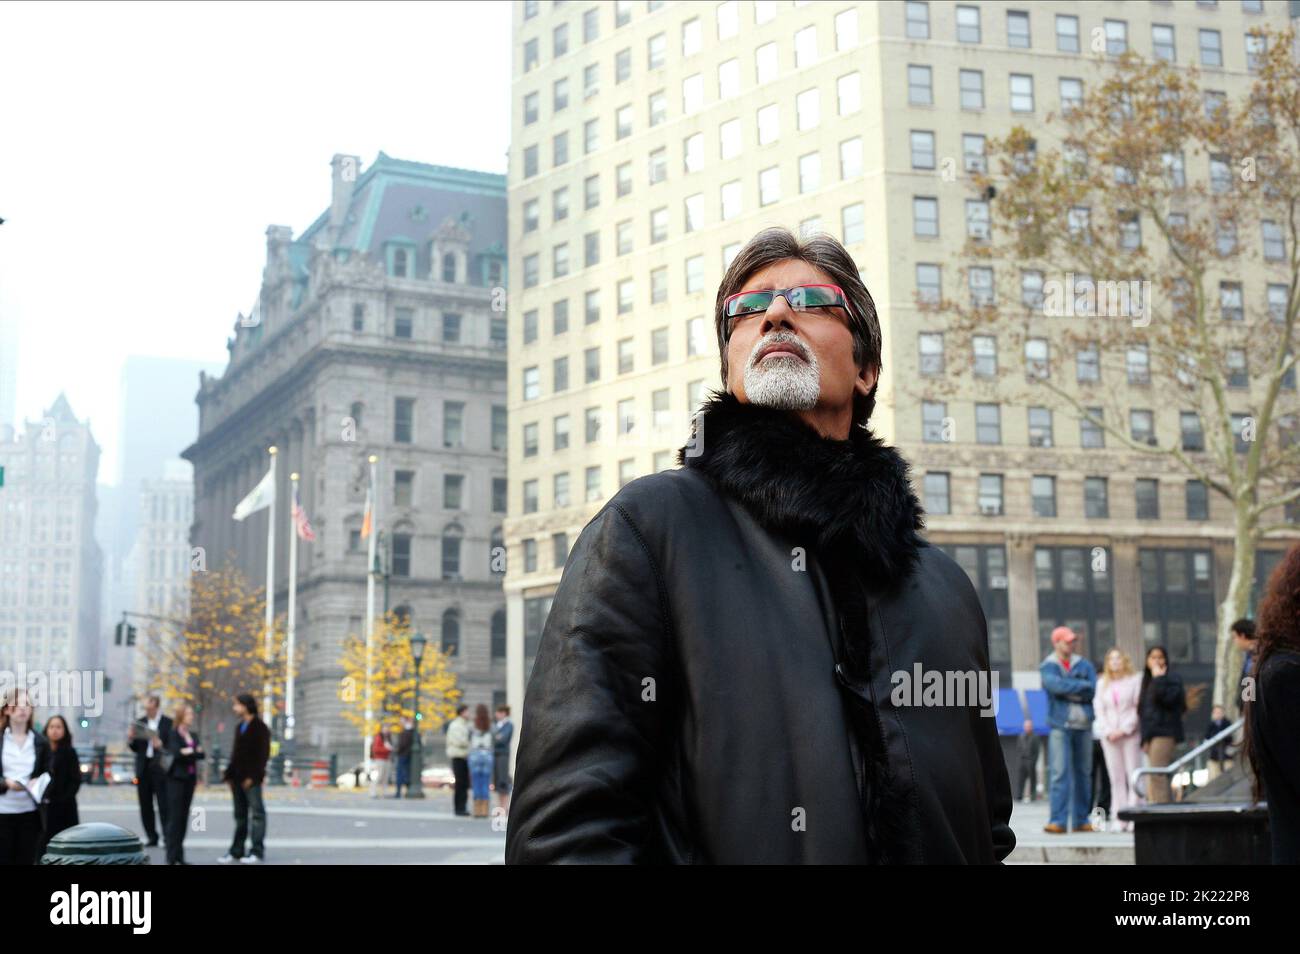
<point>1116,708</point>
<point>24,756</point>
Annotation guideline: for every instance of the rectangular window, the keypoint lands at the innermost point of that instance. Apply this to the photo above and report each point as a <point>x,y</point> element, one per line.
<point>1018,29</point>
<point>968,24</point>
<point>403,322</point>
<point>1147,498</point>
<point>920,91</point>
<point>1071,90</point>
<point>1096,499</point>
<point>498,427</point>
<point>1141,424</point>
<point>931,353</point>
<point>917,16</point>
<point>854,223</point>
<point>1040,427</point>
<point>936,498</point>
<point>1022,93</point>
<point>453,424</point>
<point>925,217</point>
<point>1162,42</point>
<point>1211,45</point>
<point>972,89</point>
<point>980,281</point>
<point>401,555</point>
<point>933,421</point>
<point>988,424</point>
<point>1091,432</point>
<point>403,420</point>
<point>922,141</point>
<point>977,220</point>
<point>1193,437</point>
<point>1067,33</point>
<point>990,495</point>
<point>1198,501</point>
<point>1043,495</point>
<point>928,288</point>
<point>452,485</point>
<point>403,488</point>
<point>985,348</point>
<point>972,152</point>
<point>1116,36</point>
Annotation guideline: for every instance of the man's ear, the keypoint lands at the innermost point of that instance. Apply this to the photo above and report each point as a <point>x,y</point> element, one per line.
<point>866,379</point>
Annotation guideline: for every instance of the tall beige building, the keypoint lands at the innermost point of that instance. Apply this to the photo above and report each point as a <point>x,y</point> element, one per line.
<point>651,140</point>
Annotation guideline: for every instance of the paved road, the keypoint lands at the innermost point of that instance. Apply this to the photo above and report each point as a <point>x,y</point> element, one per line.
<point>320,827</point>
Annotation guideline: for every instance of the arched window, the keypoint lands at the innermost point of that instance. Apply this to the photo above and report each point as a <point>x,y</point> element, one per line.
<point>499,634</point>
<point>399,263</point>
<point>449,267</point>
<point>451,632</point>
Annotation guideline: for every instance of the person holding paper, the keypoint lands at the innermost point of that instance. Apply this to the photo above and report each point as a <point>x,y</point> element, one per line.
<point>24,757</point>
<point>59,797</point>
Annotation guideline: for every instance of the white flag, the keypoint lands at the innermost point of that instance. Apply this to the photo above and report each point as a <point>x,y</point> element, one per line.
<point>259,499</point>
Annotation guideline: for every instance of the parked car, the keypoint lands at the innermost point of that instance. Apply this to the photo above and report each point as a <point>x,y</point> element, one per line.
<point>356,777</point>
<point>438,776</point>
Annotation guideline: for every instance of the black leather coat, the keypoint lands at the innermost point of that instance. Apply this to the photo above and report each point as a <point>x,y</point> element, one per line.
<point>713,681</point>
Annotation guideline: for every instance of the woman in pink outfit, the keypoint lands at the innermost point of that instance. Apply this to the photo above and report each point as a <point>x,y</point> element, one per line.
<point>1116,708</point>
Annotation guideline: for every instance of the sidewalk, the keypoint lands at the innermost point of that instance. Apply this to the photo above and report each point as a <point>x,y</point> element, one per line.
<point>1036,847</point>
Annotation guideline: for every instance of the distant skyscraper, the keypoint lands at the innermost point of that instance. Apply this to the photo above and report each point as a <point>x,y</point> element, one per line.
<point>50,564</point>
<point>157,420</point>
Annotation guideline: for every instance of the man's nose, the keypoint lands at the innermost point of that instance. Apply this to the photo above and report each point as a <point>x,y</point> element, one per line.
<point>778,313</point>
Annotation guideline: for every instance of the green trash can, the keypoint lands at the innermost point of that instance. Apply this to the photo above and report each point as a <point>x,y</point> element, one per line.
<point>95,843</point>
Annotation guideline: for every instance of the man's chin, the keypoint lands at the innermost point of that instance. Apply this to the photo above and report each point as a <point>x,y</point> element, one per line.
<point>791,394</point>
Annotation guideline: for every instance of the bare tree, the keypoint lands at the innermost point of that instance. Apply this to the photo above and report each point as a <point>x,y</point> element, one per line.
<point>1113,263</point>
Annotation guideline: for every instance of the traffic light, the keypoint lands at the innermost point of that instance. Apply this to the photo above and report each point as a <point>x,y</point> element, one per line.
<point>124,634</point>
<point>85,723</point>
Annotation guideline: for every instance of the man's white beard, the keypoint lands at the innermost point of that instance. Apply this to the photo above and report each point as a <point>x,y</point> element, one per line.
<point>785,383</point>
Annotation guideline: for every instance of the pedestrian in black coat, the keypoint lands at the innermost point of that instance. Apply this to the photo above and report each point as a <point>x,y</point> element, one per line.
<point>147,738</point>
<point>715,679</point>
<point>59,803</point>
<point>184,753</point>
<point>1273,715</point>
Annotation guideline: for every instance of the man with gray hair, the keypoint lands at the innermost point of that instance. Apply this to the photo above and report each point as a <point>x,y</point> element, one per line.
<point>713,682</point>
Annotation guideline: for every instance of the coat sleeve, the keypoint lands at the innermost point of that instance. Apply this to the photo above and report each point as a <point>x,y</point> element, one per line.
<point>591,733</point>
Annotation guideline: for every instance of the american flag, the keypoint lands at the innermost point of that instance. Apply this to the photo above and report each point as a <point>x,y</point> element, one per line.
<point>300,521</point>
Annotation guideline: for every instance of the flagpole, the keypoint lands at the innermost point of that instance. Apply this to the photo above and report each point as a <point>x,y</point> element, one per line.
<point>293,594</point>
<point>370,611</point>
<point>270,585</point>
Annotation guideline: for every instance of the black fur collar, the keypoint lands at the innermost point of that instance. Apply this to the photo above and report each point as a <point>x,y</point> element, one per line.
<point>853,495</point>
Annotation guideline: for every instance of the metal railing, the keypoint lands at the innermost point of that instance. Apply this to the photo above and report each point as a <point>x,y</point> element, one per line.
<point>99,767</point>
<point>1179,764</point>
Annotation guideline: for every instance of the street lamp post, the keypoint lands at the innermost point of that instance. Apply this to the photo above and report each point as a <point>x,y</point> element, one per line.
<point>416,787</point>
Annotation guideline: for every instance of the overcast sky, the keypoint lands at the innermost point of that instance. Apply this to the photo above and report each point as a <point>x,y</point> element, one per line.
<point>145,148</point>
